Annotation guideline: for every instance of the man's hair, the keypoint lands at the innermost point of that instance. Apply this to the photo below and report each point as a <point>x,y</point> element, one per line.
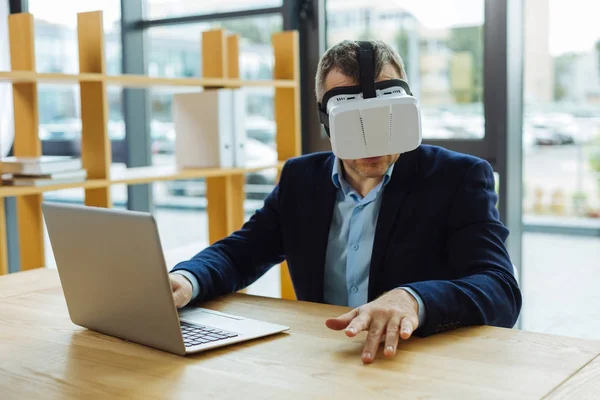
<point>343,57</point>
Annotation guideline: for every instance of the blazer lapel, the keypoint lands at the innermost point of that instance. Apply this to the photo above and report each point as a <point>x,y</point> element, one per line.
<point>319,229</point>
<point>394,195</point>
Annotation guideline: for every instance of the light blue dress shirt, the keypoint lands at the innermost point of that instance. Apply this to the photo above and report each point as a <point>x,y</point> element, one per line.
<point>349,247</point>
<point>350,243</point>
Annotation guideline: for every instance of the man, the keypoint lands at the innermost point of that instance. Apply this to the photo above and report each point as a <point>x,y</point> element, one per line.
<point>410,241</point>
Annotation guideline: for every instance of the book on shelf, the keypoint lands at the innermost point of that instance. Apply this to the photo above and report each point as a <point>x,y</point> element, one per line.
<point>238,114</point>
<point>39,165</point>
<point>44,179</point>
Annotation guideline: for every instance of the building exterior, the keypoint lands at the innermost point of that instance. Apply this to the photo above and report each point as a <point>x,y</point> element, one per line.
<point>438,75</point>
<point>539,67</point>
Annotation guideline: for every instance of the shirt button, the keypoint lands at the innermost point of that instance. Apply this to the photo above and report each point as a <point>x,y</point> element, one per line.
<point>354,247</point>
<point>354,289</point>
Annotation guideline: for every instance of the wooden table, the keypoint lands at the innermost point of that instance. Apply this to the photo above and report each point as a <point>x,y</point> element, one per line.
<point>43,355</point>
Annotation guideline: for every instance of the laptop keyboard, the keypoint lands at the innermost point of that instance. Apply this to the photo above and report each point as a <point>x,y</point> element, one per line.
<point>194,335</point>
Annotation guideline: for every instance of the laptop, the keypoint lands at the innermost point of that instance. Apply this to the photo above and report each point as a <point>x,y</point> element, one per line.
<point>115,281</point>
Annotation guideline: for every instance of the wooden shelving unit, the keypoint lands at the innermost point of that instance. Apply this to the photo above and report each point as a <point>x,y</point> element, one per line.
<point>225,186</point>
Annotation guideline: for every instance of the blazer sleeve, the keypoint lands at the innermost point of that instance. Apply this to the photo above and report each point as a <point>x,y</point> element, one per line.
<point>485,291</point>
<point>238,260</point>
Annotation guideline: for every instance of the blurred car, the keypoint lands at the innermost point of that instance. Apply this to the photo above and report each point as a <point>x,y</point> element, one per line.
<point>63,138</point>
<point>163,137</point>
<point>261,129</point>
<point>259,154</point>
<point>258,184</point>
<point>545,135</point>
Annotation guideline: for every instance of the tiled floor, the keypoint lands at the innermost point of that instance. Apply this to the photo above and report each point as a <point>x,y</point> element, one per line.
<point>559,277</point>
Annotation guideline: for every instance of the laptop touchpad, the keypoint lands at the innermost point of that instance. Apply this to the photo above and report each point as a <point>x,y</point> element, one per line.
<point>210,318</point>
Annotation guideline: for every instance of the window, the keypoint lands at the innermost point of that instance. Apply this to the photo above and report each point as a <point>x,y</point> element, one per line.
<point>56,33</point>
<point>6,109</point>
<point>177,8</point>
<point>56,51</point>
<point>176,51</point>
<point>561,128</point>
<point>561,167</point>
<point>441,44</point>
<point>59,105</point>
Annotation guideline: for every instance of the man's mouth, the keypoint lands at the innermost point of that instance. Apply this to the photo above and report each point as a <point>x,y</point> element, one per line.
<point>372,159</point>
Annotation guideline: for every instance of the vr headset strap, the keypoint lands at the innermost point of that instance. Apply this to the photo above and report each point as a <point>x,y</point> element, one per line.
<point>367,69</point>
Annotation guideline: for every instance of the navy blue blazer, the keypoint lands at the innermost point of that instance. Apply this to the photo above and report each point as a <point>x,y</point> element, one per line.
<point>437,232</point>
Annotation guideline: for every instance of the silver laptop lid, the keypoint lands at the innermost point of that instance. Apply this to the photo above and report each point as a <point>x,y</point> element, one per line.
<point>113,273</point>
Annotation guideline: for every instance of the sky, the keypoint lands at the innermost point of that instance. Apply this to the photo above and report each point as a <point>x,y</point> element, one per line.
<point>573,24</point>
<point>65,11</point>
<point>443,13</point>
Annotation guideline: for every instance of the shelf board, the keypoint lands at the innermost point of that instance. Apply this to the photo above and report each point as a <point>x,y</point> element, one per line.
<point>131,80</point>
<point>278,83</point>
<point>148,81</point>
<point>33,77</point>
<point>134,176</point>
<point>10,191</point>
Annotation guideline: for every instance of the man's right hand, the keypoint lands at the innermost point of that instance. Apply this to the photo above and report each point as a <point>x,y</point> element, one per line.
<point>182,289</point>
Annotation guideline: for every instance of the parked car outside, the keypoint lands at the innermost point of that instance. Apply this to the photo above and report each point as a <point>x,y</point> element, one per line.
<point>546,135</point>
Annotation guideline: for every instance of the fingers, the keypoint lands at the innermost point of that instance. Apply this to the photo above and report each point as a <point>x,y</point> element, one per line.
<point>407,327</point>
<point>182,290</point>
<point>179,298</point>
<point>392,332</point>
<point>359,324</point>
<point>174,282</point>
<point>177,292</point>
<point>373,339</point>
<point>342,321</point>
<point>392,316</point>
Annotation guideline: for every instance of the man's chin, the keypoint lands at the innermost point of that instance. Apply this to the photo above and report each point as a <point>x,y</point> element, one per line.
<point>372,171</point>
<point>372,164</point>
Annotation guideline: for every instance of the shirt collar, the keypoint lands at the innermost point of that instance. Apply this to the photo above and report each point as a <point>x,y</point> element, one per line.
<point>340,183</point>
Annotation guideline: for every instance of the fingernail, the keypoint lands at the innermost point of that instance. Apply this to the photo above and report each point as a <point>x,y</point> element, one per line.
<point>352,330</point>
<point>390,349</point>
<point>367,355</point>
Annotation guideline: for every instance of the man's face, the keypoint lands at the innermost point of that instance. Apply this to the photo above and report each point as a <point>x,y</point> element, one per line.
<point>373,167</point>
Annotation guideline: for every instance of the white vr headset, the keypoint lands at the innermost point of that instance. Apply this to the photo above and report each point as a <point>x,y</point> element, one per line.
<point>371,119</point>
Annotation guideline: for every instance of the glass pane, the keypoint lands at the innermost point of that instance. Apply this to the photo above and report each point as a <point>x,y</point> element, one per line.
<point>561,127</point>
<point>56,34</point>
<point>561,171</point>
<point>176,52</point>
<point>157,9</point>
<point>441,44</point>
<point>6,108</point>
<point>59,104</point>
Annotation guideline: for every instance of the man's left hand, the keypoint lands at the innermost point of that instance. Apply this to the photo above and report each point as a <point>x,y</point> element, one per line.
<point>395,315</point>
